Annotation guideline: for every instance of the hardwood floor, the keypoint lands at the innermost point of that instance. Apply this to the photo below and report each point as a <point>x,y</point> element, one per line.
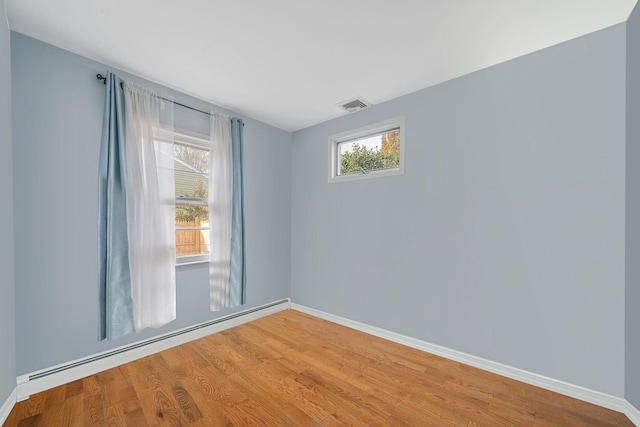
<point>291,369</point>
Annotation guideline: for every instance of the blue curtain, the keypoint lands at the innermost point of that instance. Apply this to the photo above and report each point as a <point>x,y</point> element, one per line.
<point>237,292</point>
<point>116,306</point>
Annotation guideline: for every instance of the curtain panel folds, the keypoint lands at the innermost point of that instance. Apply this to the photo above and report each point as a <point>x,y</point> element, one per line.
<point>136,211</point>
<point>226,218</point>
<point>150,206</point>
<point>116,305</point>
<point>237,291</point>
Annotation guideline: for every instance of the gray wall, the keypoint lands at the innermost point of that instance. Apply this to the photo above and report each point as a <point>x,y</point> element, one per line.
<point>505,236</point>
<point>632,265</point>
<point>509,223</point>
<point>57,115</point>
<point>7,288</point>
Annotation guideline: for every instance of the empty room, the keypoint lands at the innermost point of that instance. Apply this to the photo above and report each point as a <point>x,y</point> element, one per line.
<point>319,213</point>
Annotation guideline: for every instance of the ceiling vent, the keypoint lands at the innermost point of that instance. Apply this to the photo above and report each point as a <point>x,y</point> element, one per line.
<point>355,104</point>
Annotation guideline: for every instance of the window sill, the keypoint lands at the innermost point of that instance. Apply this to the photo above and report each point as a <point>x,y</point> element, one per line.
<point>366,175</point>
<point>192,260</point>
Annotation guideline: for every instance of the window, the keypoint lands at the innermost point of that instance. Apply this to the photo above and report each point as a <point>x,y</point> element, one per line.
<point>368,152</point>
<point>191,175</point>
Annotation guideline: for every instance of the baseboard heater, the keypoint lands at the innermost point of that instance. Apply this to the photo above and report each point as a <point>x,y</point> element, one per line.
<point>80,368</point>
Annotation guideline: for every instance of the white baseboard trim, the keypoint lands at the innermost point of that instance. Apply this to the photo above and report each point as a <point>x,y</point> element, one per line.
<point>7,406</point>
<point>617,404</point>
<point>55,376</point>
<point>632,413</point>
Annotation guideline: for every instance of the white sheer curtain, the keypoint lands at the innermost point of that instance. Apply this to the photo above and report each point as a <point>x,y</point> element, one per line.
<point>150,206</point>
<point>220,210</point>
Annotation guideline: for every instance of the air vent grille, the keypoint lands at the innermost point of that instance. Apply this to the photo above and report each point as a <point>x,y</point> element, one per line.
<point>355,104</point>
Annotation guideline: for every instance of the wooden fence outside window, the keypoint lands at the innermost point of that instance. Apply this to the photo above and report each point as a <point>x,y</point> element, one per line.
<point>190,242</point>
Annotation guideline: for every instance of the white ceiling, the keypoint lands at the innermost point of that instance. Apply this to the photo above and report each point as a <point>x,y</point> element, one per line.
<point>288,62</point>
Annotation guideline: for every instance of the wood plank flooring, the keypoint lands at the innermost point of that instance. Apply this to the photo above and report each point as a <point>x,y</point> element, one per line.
<point>291,369</point>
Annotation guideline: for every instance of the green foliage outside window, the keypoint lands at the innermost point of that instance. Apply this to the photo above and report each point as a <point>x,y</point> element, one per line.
<point>361,159</point>
<point>186,213</point>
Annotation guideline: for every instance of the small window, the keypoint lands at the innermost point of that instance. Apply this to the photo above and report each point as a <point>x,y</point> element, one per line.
<point>368,152</point>
<point>191,175</point>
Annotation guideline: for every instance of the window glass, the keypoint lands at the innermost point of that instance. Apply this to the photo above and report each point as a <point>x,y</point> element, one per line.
<point>371,151</point>
<point>191,174</point>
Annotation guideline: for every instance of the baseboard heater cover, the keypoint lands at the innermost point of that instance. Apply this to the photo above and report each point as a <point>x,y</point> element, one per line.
<point>61,374</point>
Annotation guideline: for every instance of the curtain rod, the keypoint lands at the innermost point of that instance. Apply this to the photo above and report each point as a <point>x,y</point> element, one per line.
<point>104,81</point>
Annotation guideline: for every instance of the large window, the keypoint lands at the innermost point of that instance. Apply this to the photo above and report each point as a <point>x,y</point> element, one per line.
<point>191,174</point>
<point>368,152</point>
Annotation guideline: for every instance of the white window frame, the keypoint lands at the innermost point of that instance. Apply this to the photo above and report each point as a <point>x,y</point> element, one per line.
<point>359,133</point>
<point>196,141</point>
